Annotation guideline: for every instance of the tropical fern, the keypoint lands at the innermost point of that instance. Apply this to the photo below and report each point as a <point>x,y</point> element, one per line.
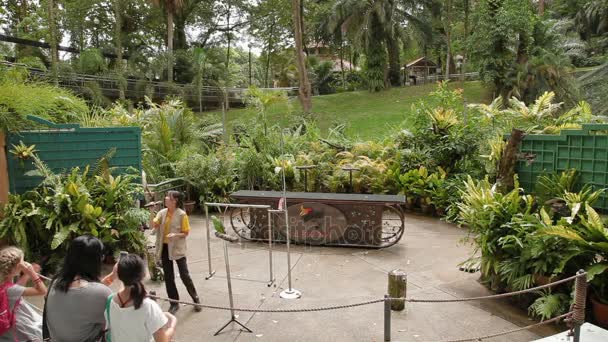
<point>549,305</point>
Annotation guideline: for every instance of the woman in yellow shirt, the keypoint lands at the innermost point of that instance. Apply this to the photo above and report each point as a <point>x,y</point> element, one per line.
<point>172,228</point>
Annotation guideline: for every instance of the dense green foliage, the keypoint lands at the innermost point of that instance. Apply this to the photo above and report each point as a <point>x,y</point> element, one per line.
<point>523,240</point>
<point>91,201</point>
<point>521,49</point>
<point>440,153</point>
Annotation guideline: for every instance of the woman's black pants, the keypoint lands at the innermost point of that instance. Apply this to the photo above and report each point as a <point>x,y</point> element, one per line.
<point>182,266</point>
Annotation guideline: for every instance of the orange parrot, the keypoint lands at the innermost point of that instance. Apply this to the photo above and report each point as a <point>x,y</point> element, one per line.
<point>305,211</point>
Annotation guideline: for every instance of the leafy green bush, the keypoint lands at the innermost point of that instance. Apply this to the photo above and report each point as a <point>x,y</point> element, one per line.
<point>486,212</point>
<point>44,220</point>
<point>212,176</point>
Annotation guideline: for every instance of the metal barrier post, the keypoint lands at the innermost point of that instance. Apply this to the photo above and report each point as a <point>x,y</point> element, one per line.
<point>387,318</point>
<point>271,281</point>
<point>211,272</point>
<point>580,300</point>
<point>289,293</point>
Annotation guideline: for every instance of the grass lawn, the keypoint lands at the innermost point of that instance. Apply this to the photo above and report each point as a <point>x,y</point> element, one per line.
<point>368,116</point>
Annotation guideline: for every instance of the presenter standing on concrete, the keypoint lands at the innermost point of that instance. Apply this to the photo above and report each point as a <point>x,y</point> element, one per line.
<point>172,228</point>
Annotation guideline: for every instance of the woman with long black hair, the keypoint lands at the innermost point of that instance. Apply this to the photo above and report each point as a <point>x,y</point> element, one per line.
<point>129,314</point>
<point>172,228</point>
<point>74,307</point>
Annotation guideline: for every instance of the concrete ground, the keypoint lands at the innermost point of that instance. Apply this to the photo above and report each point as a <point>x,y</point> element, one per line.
<point>429,252</point>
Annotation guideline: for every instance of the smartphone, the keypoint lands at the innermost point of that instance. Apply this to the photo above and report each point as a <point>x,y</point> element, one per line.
<point>123,254</point>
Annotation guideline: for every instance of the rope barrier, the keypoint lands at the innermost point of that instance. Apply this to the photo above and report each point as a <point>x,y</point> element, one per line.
<point>574,317</point>
<point>502,295</point>
<point>373,301</point>
<point>325,308</point>
<point>484,337</point>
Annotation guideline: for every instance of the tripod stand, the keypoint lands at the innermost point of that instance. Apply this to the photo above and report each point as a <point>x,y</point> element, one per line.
<point>228,238</point>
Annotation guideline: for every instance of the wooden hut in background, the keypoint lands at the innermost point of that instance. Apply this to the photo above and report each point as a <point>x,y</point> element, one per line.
<point>419,70</point>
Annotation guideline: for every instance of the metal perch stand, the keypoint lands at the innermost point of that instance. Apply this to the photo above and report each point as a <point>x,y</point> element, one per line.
<point>289,293</point>
<point>208,232</point>
<point>228,238</point>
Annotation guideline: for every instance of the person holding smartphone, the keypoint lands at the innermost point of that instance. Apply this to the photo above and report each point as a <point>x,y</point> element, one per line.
<point>172,228</point>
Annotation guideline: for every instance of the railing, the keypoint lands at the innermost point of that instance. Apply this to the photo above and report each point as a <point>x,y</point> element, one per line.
<point>138,88</point>
<point>469,76</point>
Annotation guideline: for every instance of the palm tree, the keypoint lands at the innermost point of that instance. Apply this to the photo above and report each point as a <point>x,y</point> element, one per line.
<point>118,9</point>
<point>370,23</point>
<point>304,93</point>
<point>592,18</point>
<point>379,27</point>
<point>53,40</point>
<point>200,66</point>
<point>170,7</point>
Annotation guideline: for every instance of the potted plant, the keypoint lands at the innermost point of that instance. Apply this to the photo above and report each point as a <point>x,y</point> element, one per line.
<point>188,203</point>
<point>413,186</point>
<point>433,183</point>
<point>440,198</point>
<point>599,295</point>
<point>588,231</point>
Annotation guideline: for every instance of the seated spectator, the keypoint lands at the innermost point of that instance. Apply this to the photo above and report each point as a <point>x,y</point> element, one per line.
<point>130,315</point>
<point>74,308</point>
<point>27,324</point>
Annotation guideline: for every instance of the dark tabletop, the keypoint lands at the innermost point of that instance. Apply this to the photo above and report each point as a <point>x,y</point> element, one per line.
<point>316,196</point>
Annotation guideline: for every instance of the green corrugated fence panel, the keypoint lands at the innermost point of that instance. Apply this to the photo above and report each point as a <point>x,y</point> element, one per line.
<point>585,150</point>
<point>67,146</point>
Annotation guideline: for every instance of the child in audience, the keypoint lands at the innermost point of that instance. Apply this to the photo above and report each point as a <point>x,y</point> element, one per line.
<point>130,315</point>
<point>27,324</point>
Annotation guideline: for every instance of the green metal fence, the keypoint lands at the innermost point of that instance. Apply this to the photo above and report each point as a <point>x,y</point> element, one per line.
<point>585,150</point>
<point>63,147</point>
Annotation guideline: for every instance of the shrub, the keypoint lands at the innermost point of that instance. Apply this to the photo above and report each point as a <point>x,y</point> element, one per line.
<point>43,221</point>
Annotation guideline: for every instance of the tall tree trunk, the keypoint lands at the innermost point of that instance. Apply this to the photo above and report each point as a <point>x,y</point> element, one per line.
<point>376,56</point>
<point>53,41</point>
<point>179,40</point>
<point>268,51</point>
<point>342,61</point>
<point>304,92</point>
<point>118,42</point>
<point>4,184</point>
<point>228,35</point>
<point>23,12</point>
<point>541,7</point>
<point>302,26</point>
<point>467,10</point>
<point>350,58</point>
<point>448,37</point>
<point>170,45</point>
<point>394,67</point>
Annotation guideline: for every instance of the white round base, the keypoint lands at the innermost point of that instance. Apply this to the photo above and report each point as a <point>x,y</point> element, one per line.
<point>290,294</point>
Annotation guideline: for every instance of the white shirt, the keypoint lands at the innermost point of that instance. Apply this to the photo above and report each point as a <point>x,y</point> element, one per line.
<point>130,325</point>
